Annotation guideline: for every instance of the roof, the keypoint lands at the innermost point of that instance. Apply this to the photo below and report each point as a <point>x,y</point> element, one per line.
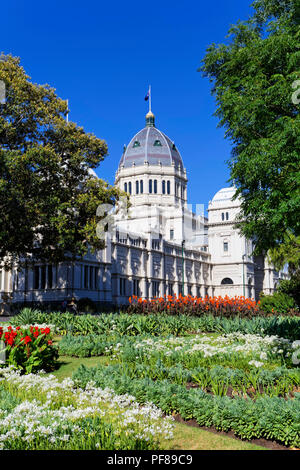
<point>152,146</point>
<point>224,194</point>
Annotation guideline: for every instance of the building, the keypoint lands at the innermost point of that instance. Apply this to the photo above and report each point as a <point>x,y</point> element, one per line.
<point>161,247</point>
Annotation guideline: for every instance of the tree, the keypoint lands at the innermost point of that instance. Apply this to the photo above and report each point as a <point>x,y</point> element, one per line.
<point>48,197</point>
<point>255,78</point>
<point>288,253</point>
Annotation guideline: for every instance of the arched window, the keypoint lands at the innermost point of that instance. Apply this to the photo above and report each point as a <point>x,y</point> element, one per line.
<point>164,187</point>
<point>137,187</point>
<point>168,187</point>
<point>150,186</point>
<point>155,186</point>
<point>125,187</point>
<point>129,187</point>
<point>157,143</point>
<point>136,144</point>
<point>226,281</point>
<point>141,187</point>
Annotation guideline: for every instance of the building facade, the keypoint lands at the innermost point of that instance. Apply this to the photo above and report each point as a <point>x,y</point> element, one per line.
<point>159,247</point>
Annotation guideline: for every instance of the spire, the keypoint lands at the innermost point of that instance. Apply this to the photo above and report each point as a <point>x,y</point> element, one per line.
<point>150,118</point>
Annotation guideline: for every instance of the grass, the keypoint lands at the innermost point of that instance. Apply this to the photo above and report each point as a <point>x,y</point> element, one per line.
<point>68,365</point>
<point>185,437</point>
<point>189,438</point>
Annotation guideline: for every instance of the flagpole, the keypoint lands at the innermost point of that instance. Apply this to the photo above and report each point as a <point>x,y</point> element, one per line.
<point>149,97</point>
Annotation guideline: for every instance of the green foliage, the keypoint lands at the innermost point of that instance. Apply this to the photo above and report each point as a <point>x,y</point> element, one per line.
<point>291,287</point>
<point>278,302</point>
<point>252,77</point>
<point>48,198</point>
<point>8,401</point>
<point>163,325</point>
<point>272,418</point>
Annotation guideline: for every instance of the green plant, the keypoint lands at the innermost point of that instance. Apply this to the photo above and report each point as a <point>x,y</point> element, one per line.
<point>279,302</point>
<point>29,349</point>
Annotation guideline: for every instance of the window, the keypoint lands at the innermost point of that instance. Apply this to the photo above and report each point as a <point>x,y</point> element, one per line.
<point>50,277</point>
<point>129,187</point>
<point>170,288</point>
<point>189,290</point>
<point>155,244</point>
<point>90,277</point>
<point>225,247</point>
<point>43,277</point>
<point>96,278</point>
<point>36,277</point>
<point>125,187</point>
<point>141,187</point>
<point>136,187</point>
<point>157,143</point>
<point>168,187</point>
<point>227,216</point>
<point>155,285</point>
<point>122,286</point>
<point>171,234</point>
<point>136,144</point>
<point>223,216</point>
<point>150,186</point>
<point>86,277</point>
<point>198,292</point>
<point>164,187</point>
<point>91,286</point>
<point>227,281</point>
<point>155,186</point>
<point>136,287</point>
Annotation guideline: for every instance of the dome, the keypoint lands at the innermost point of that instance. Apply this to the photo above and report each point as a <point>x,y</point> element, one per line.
<point>152,146</point>
<point>225,194</point>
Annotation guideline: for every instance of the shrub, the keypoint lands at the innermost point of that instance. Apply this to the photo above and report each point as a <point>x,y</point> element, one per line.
<point>279,302</point>
<point>291,287</point>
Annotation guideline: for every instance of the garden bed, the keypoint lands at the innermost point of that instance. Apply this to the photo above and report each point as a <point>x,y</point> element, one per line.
<point>235,376</point>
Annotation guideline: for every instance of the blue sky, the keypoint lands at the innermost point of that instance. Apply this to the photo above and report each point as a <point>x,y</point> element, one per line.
<point>102,56</point>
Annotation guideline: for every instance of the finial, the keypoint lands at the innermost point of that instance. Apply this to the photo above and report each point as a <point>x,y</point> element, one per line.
<point>150,119</point>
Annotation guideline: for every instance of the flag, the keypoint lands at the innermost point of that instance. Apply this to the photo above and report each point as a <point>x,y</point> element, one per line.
<point>147,96</point>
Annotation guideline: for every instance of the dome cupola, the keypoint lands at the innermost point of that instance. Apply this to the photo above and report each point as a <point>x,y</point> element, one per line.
<point>151,146</point>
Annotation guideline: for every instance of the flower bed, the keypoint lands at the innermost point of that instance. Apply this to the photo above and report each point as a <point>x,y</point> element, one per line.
<point>39,412</point>
<point>29,347</point>
<point>189,305</point>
